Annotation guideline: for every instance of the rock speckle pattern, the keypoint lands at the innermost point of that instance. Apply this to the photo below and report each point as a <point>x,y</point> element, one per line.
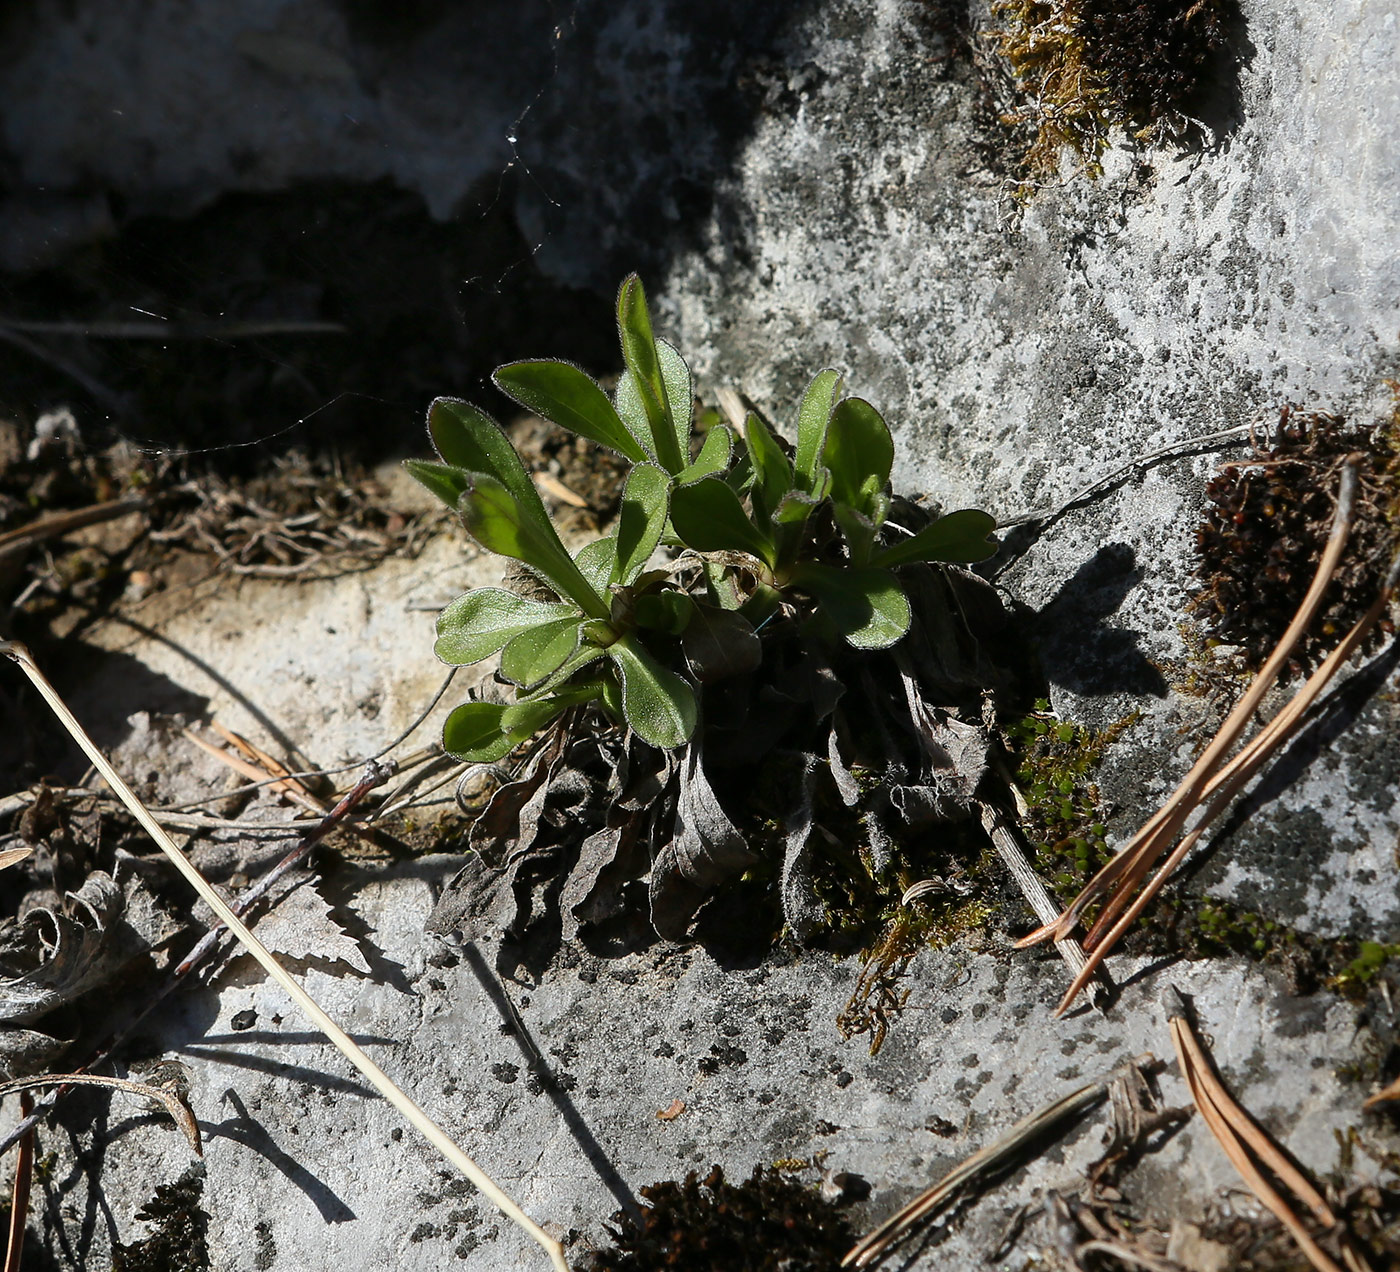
<point>808,187</point>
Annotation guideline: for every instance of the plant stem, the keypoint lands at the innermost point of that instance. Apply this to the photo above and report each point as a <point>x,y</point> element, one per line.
<point>351,1050</point>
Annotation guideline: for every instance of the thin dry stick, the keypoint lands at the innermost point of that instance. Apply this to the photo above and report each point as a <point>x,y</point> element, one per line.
<point>1136,858</point>
<point>61,523</point>
<point>1001,830</point>
<point>985,1162</point>
<point>374,774</point>
<point>19,1194</point>
<point>179,1111</point>
<point>1239,1135</point>
<point>429,1129</point>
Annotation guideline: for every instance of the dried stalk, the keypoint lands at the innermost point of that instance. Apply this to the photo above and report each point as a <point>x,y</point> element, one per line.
<point>1244,1141</point>
<point>981,1166</point>
<point>179,1111</point>
<point>1001,830</point>
<point>19,1193</point>
<point>395,1095</point>
<point>1232,779</point>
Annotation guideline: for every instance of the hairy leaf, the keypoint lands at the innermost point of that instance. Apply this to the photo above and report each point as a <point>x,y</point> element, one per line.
<point>858,453</point>
<point>536,654</point>
<point>708,517</point>
<point>659,706</point>
<point>645,502</point>
<point>720,643</point>
<point>715,453</point>
<point>772,472</point>
<point>499,522</point>
<point>858,529</point>
<point>595,562</point>
<point>812,418</point>
<point>468,438</point>
<point>668,611</point>
<point>472,732</point>
<point>960,536</point>
<point>867,605</point>
<point>479,624</point>
<point>443,480</point>
<point>570,397</point>
<point>648,383</point>
<point>680,401</point>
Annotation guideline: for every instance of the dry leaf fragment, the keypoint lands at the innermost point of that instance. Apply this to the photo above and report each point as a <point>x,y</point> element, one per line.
<point>671,1112</point>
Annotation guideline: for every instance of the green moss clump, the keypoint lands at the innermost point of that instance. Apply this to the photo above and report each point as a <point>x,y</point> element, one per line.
<point>1055,762</point>
<point>1353,979</point>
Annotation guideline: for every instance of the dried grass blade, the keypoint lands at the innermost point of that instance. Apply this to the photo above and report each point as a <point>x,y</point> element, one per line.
<point>983,1164</point>
<point>1240,1136</point>
<point>275,768</point>
<point>346,1045</point>
<point>249,770</point>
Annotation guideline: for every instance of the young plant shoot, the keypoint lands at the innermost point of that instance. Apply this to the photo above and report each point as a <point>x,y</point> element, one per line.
<point>752,528</point>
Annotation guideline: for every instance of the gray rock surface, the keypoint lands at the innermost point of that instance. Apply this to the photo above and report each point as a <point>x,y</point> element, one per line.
<point>807,187</point>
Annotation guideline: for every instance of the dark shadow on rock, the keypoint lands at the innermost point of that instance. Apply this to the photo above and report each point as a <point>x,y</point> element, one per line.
<point>245,1129</point>
<point>1080,651</point>
<point>549,1082</point>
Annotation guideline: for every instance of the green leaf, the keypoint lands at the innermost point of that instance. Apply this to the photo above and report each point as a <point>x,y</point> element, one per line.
<point>477,625</point>
<point>667,611</point>
<point>658,705</point>
<point>595,562</point>
<point>648,382</point>
<point>443,480</point>
<point>960,536</point>
<point>469,438</point>
<point>708,517</point>
<point>680,399</point>
<point>585,654</point>
<point>859,453</point>
<point>527,717</point>
<point>719,643</point>
<point>867,605</point>
<point>564,393</point>
<point>858,529</point>
<point>645,502</point>
<point>772,472</point>
<point>497,520</point>
<point>473,733</point>
<point>812,419</point>
<point>533,656</point>
<point>715,453</point>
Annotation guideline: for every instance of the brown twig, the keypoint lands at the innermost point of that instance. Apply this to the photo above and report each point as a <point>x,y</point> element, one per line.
<point>179,1111</point>
<point>983,1165</point>
<point>1249,1148</point>
<point>19,1193</point>
<point>57,524</point>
